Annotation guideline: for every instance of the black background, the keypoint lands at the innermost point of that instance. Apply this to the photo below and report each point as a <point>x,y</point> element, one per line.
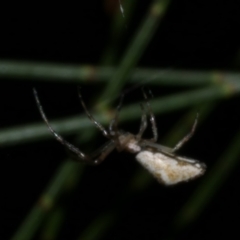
<point>194,35</point>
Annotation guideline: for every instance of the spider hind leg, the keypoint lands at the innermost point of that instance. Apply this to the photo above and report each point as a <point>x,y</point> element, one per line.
<point>188,136</point>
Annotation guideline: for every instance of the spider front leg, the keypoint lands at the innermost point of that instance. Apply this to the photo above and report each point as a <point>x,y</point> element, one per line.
<point>97,124</point>
<point>187,137</point>
<point>113,126</point>
<point>78,154</point>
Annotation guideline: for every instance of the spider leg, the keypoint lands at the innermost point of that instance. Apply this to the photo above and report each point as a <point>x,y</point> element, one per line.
<point>113,126</point>
<point>97,124</point>
<point>59,138</point>
<point>143,124</point>
<point>100,154</point>
<point>152,118</point>
<point>146,143</point>
<point>187,137</point>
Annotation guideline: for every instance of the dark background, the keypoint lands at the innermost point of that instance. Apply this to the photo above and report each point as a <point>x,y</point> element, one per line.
<point>194,35</point>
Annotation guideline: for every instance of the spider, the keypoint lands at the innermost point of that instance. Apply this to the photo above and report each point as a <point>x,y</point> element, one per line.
<point>161,161</point>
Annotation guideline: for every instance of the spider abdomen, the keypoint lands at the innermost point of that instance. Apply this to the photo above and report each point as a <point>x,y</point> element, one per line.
<point>169,170</point>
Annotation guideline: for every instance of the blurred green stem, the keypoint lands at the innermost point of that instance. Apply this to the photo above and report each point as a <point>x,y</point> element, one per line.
<point>53,224</point>
<point>98,226</point>
<point>118,31</point>
<point>47,201</point>
<point>33,132</point>
<point>135,50</point>
<point>86,73</point>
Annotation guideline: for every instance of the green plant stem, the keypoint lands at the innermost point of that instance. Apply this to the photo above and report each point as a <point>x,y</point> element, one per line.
<point>87,73</point>
<point>46,201</point>
<point>118,31</point>
<point>34,132</point>
<point>98,227</point>
<point>135,50</point>
<point>18,135</point>
<point>53,224</point>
